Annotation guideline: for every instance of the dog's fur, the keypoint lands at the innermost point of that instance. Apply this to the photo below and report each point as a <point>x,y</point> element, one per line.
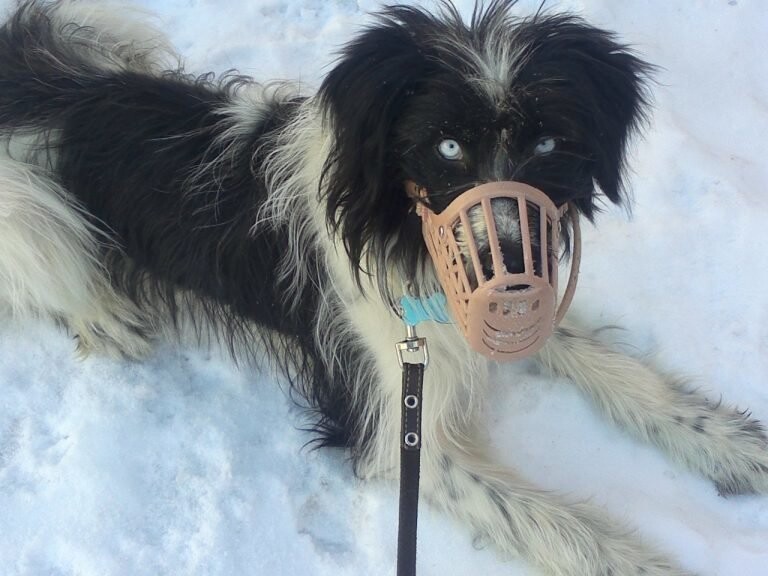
<point>132,192</point>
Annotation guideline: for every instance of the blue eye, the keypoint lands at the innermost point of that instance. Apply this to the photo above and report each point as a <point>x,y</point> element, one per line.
<point>450,149</point>
<point>545,146</point>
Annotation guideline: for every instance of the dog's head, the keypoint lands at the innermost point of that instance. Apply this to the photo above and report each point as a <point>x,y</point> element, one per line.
<point>546,100</point>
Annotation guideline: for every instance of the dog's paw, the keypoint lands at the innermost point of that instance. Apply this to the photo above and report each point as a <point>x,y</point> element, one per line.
<point>626,555</point>
<point>116,340</point>
<point>743,467</point>
<point>121,336</point>
<point>638,562</point>
<point>597,546</point>
<point>718,441</point>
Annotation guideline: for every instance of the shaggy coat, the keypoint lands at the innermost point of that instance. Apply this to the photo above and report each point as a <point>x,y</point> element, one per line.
<point>136,197</point>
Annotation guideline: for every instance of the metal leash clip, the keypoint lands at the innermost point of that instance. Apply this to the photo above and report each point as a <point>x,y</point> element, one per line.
<point>412,345</point>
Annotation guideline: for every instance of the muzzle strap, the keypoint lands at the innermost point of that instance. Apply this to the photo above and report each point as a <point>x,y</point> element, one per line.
<point>573,277</point>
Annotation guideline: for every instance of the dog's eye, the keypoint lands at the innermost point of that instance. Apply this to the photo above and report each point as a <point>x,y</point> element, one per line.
<point>450,149</point>
<point>545,146</point>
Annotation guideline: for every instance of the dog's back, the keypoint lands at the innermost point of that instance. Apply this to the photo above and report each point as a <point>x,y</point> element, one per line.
<point>148,152</point>
<point>133,188</point>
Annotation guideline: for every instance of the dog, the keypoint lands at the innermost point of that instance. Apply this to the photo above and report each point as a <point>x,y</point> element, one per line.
<point>141,198</point>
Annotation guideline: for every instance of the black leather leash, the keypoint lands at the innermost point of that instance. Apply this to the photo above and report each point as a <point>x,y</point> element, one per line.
<point>410,448</point>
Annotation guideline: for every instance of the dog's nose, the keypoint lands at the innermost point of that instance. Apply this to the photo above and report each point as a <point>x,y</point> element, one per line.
<point>512,257</point>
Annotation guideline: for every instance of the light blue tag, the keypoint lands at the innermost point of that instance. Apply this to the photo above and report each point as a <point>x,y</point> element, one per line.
<point>432,307</point>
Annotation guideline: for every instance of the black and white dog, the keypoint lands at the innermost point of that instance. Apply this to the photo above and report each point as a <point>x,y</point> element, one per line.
<point>137,196</point>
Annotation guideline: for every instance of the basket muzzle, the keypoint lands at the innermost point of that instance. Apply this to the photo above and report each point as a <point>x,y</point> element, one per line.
<point>495,250</point>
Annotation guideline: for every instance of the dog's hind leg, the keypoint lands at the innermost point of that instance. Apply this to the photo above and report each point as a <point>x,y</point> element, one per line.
<point>709,437</point>
<point>49,265</point>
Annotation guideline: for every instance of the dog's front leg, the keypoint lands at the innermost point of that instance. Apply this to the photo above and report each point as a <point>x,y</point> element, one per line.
<point>709,437</point>
<point>562,539</point>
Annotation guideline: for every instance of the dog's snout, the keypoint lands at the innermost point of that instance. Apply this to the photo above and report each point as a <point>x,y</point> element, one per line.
<point>506,227</point>
<point>511,256</point>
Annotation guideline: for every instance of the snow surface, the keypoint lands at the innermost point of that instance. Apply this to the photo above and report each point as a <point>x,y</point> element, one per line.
<point>185,464</point>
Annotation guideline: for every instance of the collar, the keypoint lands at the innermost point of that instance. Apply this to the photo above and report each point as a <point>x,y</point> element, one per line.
<point>416,310</point>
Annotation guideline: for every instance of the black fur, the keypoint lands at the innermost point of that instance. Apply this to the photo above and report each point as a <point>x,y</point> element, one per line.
<point>399,88</point>
<point>264,215</point>
<point>130,147</point>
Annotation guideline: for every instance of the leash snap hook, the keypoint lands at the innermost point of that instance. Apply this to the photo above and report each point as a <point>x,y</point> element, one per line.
<point>410,346</point>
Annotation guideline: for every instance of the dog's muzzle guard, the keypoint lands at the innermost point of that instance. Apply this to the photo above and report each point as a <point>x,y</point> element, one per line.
<point>503,315</point>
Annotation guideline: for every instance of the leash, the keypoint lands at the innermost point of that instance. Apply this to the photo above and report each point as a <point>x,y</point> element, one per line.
<point>413,357</point>
<point>410,449</point>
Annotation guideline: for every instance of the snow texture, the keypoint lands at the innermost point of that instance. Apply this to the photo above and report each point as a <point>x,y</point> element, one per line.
<point>187,464</point>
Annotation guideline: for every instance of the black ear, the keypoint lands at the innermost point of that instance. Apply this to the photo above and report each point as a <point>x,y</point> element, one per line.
<point>609,85</point>
<point>618,86</point>
<point>362,97</point>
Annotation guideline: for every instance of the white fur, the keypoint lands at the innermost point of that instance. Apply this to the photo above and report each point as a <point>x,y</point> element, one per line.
<point>708,437</point>
<point>122,34</point>
<point>506,218</point>
<point>457,474</point>
<point>49,254</point>
<point>494,65</point>
<point>49,264</point>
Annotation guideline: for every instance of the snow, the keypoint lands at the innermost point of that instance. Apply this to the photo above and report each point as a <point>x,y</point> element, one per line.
<point>187,464</point>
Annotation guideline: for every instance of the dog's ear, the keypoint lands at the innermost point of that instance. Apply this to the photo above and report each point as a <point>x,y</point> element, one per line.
<point>362,98</point>
<point>609,85</point>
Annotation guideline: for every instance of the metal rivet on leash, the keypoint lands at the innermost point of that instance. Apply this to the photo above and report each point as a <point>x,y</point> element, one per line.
<point>411,401</point>
<point>411,439</point>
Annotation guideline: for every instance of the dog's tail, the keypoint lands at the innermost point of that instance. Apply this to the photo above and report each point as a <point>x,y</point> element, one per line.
<point>51,53</point>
